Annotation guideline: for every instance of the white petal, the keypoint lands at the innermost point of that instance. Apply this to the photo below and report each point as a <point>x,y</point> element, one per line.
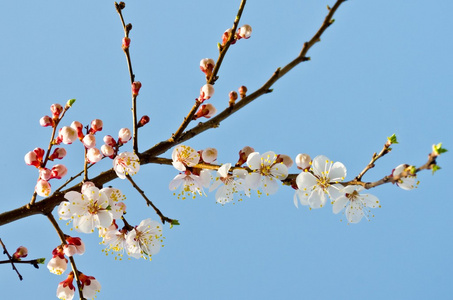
<point>254,161</point>
<point>279,171</point>
<point>317,199</point>
<point>354,212</point>
<point>223,170</point>
<point>339,204</point>
<point>337,172</point>
<point>253,180</point>
<point>320,164</point>
<point>268,158</point>
<point>306,181</point>
<point>270,185</point>
<point>370,200</point>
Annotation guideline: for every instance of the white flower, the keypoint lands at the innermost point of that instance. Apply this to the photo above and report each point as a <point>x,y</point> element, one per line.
<point>266,170</point>
<point>126,163</point>
<point>354,202</point>
<point>184,156</point>
<point>321,180</point>
<point>88,210</point>
<point>191,183</point>
<point>66,289</point>
<point>145,239</point>
<point>115,240</point>
<point>57,265</point>
<point>43,188</point>
<point>406,183</point>
<point>231,184</point>
<point>90,286</point>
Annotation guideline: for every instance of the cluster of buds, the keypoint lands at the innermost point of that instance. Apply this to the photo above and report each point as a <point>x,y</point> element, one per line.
<point>110,147</point>
<point>59,262</point>
<point>57,113</point>
<point>244,32</point>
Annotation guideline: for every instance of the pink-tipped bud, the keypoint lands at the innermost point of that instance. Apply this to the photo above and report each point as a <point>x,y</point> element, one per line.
<point>206,110</point>
<point>96,125</point>
<point>207,65</point>
<point>303,161</point>
<point>58,153</point>
<point>126,43</point>
<point>59,171</point>
<point>43,188</point>
<point>242,91</point>
<point>46,121</point>
<point>89,141</point>
<point>284,159</point>
<point>45,174</point>
<point>244,32</point>
<point>136,85</point>
<point>226,35</point>
<point>67,135</point>
<point>209,155</point>
<point>244,154</point>
<point>66,289</point>
<point>20,252</point>
<point>206,92</point>
<point>124,135</point>
<point>143,121</point>
<point>107,150</point>
<point>94,155</point>
<point>109,140</point>
<point>56,110</point>
<point>75,246</point>
<point>233,97</point>
<point>35,157</point>
<point>78,127</point>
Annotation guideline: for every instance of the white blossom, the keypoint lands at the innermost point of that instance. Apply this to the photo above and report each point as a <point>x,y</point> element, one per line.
<point>266,172</point>
<point>355,203</point>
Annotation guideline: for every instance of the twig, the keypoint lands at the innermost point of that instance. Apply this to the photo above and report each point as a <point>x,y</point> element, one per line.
<point>10,259</point>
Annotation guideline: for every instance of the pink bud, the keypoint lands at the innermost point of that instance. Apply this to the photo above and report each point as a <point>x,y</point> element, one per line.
<point>45,174</point>
<point>136,85</point>
<point>143,121</point>
<point>206,110</point>
<point>20,252</point>
<point>58,153</point>
<point>126,43</point>
<point>96,125</point>
<point>59,171</point>
<point>303,161</point>
<point>43,188</point>
<point>94,155</point>
<point>56,110</point>
<point>109,140</point>
<point>244,32</point>
<point>78,127</point>
<point>66,289</point>
<point>242,91</point>
<point>77,243</point>
<point>285,159</point>
<point>46,121</point>
<point>124,135</point>
<point>207,65</point>
<point>89,141</point>
<point>206,92</point>
<point>67,135</point>
<point>226,35</point>
<point>35,157</point>
<point>244,154</point>
<point>107,150</point>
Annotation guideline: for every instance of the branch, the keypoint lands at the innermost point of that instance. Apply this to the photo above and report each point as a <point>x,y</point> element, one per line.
<point>10,259</point>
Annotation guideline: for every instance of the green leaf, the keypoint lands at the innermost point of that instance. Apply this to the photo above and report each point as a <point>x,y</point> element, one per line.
<point>392,139</point>
<point>436,168</point>
<point>174,222</point>
<point>41,260</point>
<point>70,102</point>
<point>438,149</point>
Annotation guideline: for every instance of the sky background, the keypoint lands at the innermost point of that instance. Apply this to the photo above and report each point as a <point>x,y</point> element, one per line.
<point>383,67</point>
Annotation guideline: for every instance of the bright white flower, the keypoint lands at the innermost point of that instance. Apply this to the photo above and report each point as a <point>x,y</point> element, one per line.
<point>126,163</point>
<point>321,180</point>
<point>88,210</point>
<point>116,242</point>
<point>406,183</point>
<point>266,171</point>
<point>191,183</point>
<point>115,196</point>
<point>57,265</point>
<point>184,156</point>
<point>145,239</point>
<point>355,203</point>
<point>232,184</point>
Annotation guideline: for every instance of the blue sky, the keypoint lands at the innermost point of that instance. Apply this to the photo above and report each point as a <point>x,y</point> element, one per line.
<point>382,68</point>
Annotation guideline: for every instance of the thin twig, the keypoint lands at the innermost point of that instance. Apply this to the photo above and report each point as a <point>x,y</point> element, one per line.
<point>11,260</point>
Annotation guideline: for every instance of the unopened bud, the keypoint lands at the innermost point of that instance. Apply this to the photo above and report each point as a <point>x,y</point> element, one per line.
<point>96,125</point>
<point>207,65</point>
<point>284,159</point>
<point>107,150</point>
<point>89,141</point>
<point>143,121</point>
<point>109,140</point>
<point>94,155</point>
<point>58,171</point>
<point>126,43</point>
<point>67,135</point>
<point>136,85</point>
<point>226,35</point>
<point>242,91</point>
<point>46,121</point>
<point>45,174</point>
<point>206,92</point>
<point>35,157</point>
<point>43,188</point>
<point>58,153</point>
<point>69,103</point>
<point>20,252</point>
<point>244,154</point>
<point>244,32</point>
<point>233,97</point>
<point>77,126</point>
<point>124,135</point>
<point>303,161</point>
<point>56,110</point>
<point>209,155</point>
<point>206,110</point>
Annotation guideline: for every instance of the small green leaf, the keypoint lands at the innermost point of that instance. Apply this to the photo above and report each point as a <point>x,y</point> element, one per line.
<point>174,222</point>
<point>392,139</point>
<point>41,260</point>
<point>437,149</point>
<point>436,168</point>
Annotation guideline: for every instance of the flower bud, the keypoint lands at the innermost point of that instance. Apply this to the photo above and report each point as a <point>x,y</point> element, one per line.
<point>67,135</point>
<point>244,154</point>
<point>209,155</point>
<point>126,43</point>
<point>89,141</point>
<point>206,92</point>
<point>20,252</point>
<point>58,171</point>
<point>303,161</point>
<point>35,157</point>
<point>96,125</point>
<point>56,110</point>
<point>124,135</point>
<point>284,159</point>
<point>109,140</point>
<point>107,150</point>
<point>58,153</point>
<point>45,174</point>
<point>77,243</point>
<point>43,188</point>
<point>143,121</point>
<point>78,127</point>
<point>136,85</point>
<point>244,32</point>
<point>94,155</point>
<point>242,91</point>
<point>66,289</point>
<point>226,35</point>
<point>206,110</point>
<point>233,97</point>
<point>207,65</point>
<point>46,121</point>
